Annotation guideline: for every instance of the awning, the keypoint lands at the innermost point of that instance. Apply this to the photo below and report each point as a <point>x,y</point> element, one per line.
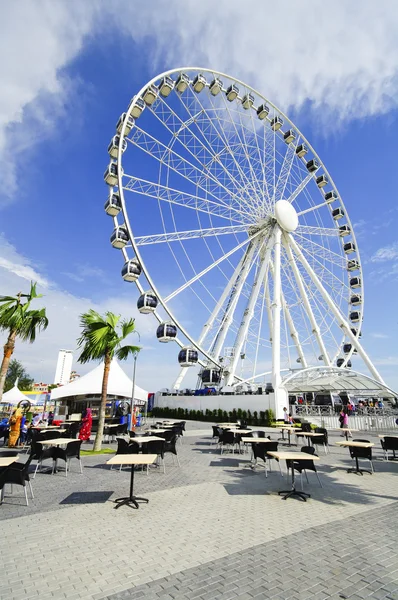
<point>335,379</point>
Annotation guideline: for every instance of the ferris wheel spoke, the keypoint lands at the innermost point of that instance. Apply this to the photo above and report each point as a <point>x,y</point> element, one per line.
<point>292,328</point>
<point>335,310</point>
<point>209,268</point>
<point>284,172</point>
<point>301,187</point>
<point>179,236</point>
<point>316,249</point>
<point>200,151</point>
<point>248,313</point>
<point>165,155</point>
<point>318,231</point>
<point>216,136</point>
<point>179,198</point>
<point>304,298</point>
<point>324,273</point>
<point>312,208</point>
<point>235,149</point>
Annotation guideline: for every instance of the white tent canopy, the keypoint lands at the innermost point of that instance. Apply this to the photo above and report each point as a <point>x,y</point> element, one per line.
<point>119,384</point>
<point>13,396</point>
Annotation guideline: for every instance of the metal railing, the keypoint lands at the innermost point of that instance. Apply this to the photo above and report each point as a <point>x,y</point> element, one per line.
<point>367,419</point>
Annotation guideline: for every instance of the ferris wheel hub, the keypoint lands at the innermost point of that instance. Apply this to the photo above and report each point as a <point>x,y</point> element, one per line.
<point>286,216</point>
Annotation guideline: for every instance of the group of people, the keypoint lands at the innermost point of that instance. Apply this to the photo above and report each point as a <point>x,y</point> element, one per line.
<point>19,425</point>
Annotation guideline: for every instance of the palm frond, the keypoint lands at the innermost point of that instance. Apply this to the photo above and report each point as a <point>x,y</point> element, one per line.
<point>125,351</point>
<point>128,327</point>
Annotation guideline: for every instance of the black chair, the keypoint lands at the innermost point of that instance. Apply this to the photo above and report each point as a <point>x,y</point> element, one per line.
<point>37,452</point>
<point>306,427</point>
<point>216,433</point>
<point>305,465</point>
<point>320,439</point>
<point>260,453</point>
<point>132,434</point>
<point>389,444</point>
<point>123,447</point>
<point>227,439</point>
<point>72,430</point>
<point>357,452</point>
<point>17,474</point>
<point>72,450</point>
<point>170,446</point>
<point>134,448</point>
<point>121,429</point>
<point>154,447</point>
<point>273,447</point>
<point>107,431</point>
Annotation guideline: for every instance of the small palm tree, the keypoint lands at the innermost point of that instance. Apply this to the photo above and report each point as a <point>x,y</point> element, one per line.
<point>101,340</point>
<point>19,321</point>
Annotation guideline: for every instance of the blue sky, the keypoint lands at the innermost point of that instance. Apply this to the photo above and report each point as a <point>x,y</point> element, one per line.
<point>72,69</point>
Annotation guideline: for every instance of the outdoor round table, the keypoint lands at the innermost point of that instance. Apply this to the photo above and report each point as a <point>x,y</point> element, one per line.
<point>293,456</point>
<point>6,461</point>
<point>308,434</point>
<point>131,459</point>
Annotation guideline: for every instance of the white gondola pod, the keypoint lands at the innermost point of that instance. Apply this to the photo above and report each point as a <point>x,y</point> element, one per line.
<point>232,92</point>
<point>344,230</point>
<point>188,356</point>
<point>247,101</point>
<point>321,181</point>
<point>331,197</point>
<point>349,248</point>
<point>312,165</point>
<point>354,331</point>
<point>289,136</point>
<point>182,83</point>
<point>111,173</point>
<point>147,303</point>
<point>355,282</point>
<point>353,265</point>
<point>262,112</point>
<point>337,213</point>
<point>113,204</point>
<point>166,332</point>
<point>166,86</point>
<point>348,347</point>
<point>199,83</point>
<point>276,123</point>
<point>138,107</point>
<point>355,316</point>
<point>301,150</point>
<point>216,86</point>
<point>340,362</point>
<point>355,300</point>
<point>119,237</point>
<point>210,376</point>
<point>131,270</point>
<point>129,124</point>
<point>150,94</point>
<point>114,144</point>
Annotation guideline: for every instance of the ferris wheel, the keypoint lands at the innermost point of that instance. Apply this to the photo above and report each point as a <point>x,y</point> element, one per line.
<point>233,231</point>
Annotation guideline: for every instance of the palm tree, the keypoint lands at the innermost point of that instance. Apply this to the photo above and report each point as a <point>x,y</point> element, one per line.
<point>19,321</point>
<point>101,340</point>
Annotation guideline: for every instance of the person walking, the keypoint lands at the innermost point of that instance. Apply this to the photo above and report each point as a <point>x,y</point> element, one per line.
<point>343,418</point>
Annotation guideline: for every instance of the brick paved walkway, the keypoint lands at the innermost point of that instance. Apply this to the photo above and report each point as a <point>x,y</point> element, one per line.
<point>213,528</point>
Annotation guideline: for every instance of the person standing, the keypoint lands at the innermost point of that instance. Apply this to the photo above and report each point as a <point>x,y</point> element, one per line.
<point>15,427</point>
<point>343,418</point>
<point>285,415</point>
<point>87,423</point>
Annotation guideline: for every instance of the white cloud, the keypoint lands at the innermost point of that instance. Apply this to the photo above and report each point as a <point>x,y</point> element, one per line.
<point>157,365</point>
<point>387,253</point>
<point>380,336</point>
<point>387,361</point>
<point>339,57</point>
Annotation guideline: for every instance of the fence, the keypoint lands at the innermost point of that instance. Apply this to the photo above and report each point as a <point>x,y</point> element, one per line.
<point>370,419</point>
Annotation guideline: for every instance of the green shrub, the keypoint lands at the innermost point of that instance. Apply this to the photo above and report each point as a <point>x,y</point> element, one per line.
<point>269,417</point>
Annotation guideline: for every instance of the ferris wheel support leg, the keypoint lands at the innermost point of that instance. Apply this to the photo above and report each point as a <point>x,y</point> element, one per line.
<point>280,393</point>
<point>336,311</point>
<point>293,331</point>
<point>248,314</point>
<point>229,313</point>
<point>307,305</point>
<point>268,307</point>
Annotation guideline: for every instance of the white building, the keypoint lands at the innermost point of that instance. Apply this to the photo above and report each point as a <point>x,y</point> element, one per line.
<point>64,367</point>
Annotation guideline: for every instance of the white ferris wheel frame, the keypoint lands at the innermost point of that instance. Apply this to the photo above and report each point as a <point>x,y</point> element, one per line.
<point>277,239</point>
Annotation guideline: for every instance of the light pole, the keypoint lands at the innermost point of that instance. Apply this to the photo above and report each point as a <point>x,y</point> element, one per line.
<point>133,390</point>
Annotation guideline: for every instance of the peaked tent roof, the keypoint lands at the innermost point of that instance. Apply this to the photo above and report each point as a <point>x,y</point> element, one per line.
<point>13,396</point>
<point>119,384</point>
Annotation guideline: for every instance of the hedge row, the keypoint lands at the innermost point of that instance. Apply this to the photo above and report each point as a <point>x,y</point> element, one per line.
<point>265,418</point>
